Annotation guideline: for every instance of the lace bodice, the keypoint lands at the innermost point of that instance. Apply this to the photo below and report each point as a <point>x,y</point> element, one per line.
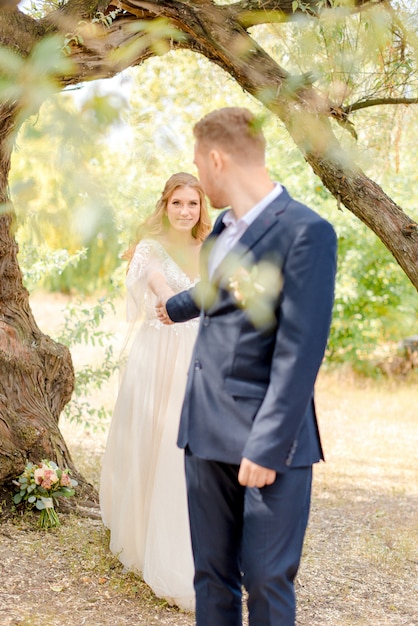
<point>151,256</point>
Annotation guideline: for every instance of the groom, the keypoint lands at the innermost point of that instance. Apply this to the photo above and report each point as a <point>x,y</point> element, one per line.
<point>248,423</point>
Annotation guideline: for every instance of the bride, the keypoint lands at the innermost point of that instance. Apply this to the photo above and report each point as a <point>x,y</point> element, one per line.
<point>142,487</point>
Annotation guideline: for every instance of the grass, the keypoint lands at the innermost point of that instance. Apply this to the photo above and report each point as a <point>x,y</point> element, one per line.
<point>361,549</point>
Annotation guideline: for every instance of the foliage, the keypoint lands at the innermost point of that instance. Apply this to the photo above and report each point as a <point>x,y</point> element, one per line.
<point>125,160</point>
<point>374,305</point>
<point>32,80</point>
<point>60,204</point>
<point>40,8</point>
<point>42,484</point>
<point>82,327</point>
<point>42,265</point>
<point>127,156</point>
<point>354,58</point>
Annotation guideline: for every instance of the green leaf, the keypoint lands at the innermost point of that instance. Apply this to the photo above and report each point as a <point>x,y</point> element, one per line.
<point>32,499</point>
<point>46,57</point>
<point>17,498</point>
<point>10,62</point>
<point>40,505</point>
<point>64,492</point>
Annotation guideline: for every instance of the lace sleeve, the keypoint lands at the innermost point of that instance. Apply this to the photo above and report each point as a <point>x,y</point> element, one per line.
<point>146,257</point>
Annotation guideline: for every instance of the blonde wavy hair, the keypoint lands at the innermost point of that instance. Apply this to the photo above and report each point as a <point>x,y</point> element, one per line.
<point>157,223</point>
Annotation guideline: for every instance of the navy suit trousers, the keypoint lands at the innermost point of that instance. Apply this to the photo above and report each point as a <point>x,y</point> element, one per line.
<point>245,536</point>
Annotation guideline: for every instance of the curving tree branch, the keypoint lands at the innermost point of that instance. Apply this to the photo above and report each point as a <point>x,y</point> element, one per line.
<point>256,12</point>
<point>220,33</point>
<point>356,106</point>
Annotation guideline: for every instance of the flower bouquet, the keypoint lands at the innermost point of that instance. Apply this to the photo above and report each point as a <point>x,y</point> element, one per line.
<point>40,485</point>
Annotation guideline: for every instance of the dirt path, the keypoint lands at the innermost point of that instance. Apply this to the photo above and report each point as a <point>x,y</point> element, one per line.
<point>360,555</point>
<point>358,568</point>
<point>64,577</point>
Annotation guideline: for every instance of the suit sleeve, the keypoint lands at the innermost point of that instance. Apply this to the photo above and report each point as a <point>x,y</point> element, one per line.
<point>304,317</point>
<point>182,307</point>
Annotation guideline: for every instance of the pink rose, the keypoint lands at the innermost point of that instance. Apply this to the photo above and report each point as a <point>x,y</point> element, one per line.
<point>45,477</point>
<point>39,475</point>
<point>65,480</point>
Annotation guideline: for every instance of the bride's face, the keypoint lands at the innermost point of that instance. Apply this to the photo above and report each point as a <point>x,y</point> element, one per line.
<point>183,208</point>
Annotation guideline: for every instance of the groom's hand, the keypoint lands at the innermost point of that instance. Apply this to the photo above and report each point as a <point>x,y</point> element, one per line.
<point>252,475</point>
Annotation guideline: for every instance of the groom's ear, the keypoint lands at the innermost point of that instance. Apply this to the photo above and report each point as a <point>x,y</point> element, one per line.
<point>217,159</point>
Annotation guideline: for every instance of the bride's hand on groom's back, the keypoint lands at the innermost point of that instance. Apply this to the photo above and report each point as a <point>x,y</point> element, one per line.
<point>161,312</point>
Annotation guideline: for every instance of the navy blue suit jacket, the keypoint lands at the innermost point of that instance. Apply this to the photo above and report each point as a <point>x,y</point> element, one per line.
<point>250,386</point>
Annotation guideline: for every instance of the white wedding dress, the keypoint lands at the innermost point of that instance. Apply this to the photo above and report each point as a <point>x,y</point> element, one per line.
<point>142,489</point>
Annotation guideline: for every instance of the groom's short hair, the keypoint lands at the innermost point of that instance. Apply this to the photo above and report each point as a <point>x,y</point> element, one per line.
<point>235,130</point>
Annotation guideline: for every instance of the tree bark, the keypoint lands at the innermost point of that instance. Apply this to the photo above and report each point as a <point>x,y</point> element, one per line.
<point>37,376</point>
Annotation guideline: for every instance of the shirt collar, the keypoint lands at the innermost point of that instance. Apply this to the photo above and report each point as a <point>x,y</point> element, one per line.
<point>229,218</point>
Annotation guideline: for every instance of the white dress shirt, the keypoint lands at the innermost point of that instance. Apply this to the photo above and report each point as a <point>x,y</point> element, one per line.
<point>234,229</point>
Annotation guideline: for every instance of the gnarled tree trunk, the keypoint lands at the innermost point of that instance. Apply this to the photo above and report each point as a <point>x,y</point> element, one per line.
<point>37,376</point>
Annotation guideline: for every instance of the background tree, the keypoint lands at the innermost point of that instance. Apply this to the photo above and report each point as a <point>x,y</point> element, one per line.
<point>306,92</point>
<point>154,139</point>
